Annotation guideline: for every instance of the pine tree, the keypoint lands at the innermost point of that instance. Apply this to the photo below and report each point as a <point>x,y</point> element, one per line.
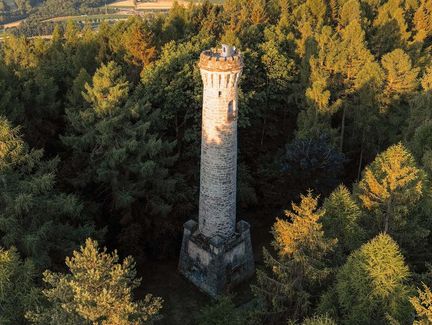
<point>98,289</point>
<point>300,266</point>
<point>371,287</point>
<point>423,306</point>
<point>41,222</point>
<point>390,186</point>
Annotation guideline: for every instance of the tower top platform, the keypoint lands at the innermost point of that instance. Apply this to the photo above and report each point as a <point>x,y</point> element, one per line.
<point>224,59</point>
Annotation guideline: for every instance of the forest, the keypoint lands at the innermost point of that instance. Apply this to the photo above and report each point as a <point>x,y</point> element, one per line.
<point>100,134</point>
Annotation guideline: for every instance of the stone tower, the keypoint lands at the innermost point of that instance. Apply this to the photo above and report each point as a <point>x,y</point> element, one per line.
<point>217,252</point>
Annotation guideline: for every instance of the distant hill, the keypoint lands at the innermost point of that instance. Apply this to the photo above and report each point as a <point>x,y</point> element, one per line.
<point>11,10</point>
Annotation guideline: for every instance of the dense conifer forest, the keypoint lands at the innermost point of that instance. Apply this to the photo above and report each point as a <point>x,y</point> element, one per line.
<point>100,147</point>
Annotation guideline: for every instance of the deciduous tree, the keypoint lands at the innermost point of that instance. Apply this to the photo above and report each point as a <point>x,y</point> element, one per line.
<point>372,286</point>
<point>423,306</point>
<point>390,186</point>
<point>299,269</point>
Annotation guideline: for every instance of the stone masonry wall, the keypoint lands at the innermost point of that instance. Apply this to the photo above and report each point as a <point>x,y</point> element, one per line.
<point>217,206</point>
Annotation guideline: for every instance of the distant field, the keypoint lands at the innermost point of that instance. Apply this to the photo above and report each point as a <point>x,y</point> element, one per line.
<point>89,17</point>
<point>126,5</point>
<point>159,5</point>
<point>156,5</point>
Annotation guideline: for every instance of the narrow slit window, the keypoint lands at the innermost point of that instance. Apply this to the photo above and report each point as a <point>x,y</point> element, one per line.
<point>220,93</point>
<point>232,114</point>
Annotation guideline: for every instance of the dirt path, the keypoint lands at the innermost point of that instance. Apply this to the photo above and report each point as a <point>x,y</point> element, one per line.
<point>13,24</point>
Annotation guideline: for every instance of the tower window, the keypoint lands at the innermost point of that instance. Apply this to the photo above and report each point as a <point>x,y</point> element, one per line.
<point>220,93</point>
<point>232,114</point>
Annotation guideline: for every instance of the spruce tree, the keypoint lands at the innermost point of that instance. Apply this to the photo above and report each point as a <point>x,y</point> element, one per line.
<point>43,223</point>
<point>417,133</point>
<point>119,156</point>
<point>220,313</point>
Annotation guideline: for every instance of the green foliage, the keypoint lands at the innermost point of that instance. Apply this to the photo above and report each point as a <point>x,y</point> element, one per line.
<point>17,291</point>
<point>300,267</point>
<point>342,221</point>
<point>173,85</point>
<point>117,150</point>
<point>312,163</point>
<point>42,222</point>
<point>391,185</point>
<point>97,290</point>
<point>371,286</point>
<point>319,320</point>
<point>220,313</point>
<point>120,107</point>
<point>401,76</point>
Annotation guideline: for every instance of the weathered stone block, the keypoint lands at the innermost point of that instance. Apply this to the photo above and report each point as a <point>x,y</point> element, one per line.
<point>216,264</point>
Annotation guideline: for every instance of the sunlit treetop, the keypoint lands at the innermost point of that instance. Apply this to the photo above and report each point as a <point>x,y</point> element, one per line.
<point>393,172</point>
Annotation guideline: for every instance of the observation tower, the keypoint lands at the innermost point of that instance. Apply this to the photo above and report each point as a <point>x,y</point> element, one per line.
<point>216,251</point>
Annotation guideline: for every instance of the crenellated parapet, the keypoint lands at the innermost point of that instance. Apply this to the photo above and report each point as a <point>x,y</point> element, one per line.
<point>217,61</point>
<point>221,68</point>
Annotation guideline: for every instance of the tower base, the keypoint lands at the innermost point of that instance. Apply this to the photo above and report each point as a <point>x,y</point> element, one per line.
<point>216,264</point>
